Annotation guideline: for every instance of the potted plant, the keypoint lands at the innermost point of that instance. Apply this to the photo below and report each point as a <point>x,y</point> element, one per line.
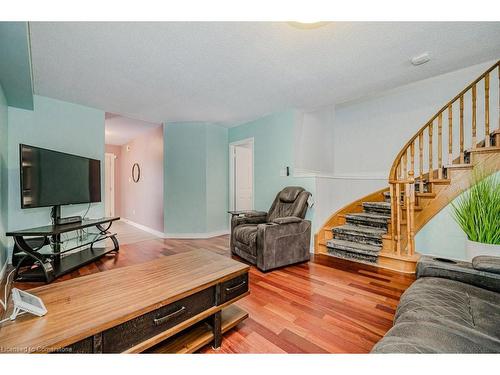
<point>477,212</point>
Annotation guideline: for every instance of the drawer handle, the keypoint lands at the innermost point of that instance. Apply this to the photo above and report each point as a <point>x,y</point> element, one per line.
<point>175,314</point>
<point>233,288</point>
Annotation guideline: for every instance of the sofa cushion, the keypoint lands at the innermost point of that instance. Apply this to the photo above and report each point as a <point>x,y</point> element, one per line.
<point>426,337</point>
<point>455,305</point>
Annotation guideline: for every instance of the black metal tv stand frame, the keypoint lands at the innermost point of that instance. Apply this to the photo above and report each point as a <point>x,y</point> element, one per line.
<point>32,265</point>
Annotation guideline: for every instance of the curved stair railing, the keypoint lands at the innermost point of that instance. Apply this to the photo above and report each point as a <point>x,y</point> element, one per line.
<point>437,147</point>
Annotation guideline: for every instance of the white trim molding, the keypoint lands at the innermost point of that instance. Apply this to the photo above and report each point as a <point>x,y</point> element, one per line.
<point>357,177</point>
<point>144,228</point>
<point>2,274</point>
<point>251,142</point>
<point>197,235</point>
<point>177,235</point>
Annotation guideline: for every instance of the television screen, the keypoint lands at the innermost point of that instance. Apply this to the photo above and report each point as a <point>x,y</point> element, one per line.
<point>50,178</point>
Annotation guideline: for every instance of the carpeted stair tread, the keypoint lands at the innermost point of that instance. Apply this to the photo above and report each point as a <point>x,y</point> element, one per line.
<point>368,219</point>
<point>369,259</point>
<point>384,205</point>
<point>377,207</point>
<point>356,229</point>
<point>359,234</point>
<point>354,247</point>
<point>369,215</point>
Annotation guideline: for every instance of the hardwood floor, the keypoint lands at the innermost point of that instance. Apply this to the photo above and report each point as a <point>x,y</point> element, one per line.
<point>325,306</point>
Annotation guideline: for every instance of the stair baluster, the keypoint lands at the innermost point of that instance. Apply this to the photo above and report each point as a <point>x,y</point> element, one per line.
<point>474,136</point>
<point>440,146</point>
<point>487,109</point>
<point>450,134</point>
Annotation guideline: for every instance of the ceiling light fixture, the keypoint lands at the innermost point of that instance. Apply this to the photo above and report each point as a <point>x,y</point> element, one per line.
<point>307,24</point>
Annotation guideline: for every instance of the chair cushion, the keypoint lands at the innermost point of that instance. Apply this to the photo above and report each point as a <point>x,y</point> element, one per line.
<point>246,233</point>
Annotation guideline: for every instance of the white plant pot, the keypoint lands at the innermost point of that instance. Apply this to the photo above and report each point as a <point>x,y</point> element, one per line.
<point>473,249</point>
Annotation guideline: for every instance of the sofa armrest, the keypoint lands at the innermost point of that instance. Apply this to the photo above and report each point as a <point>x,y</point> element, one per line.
<point>487,263</point>
<point>459,271</point>
<point>287,220</point>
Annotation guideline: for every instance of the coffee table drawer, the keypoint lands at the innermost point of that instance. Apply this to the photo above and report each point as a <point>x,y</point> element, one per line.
<point>233,288</point>
<point>128,334</point>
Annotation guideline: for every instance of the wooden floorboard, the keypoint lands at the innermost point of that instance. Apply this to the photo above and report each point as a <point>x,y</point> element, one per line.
<point>327,305</point>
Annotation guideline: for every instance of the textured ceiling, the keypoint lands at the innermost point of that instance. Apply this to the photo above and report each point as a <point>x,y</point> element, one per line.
<point>121,130</point>
<point>233,72</point>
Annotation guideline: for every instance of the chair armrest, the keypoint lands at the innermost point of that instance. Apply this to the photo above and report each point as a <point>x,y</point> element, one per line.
<point>254,217</point>
<point>287,220</point>
<point>254,213</point>
<point>458,271</point>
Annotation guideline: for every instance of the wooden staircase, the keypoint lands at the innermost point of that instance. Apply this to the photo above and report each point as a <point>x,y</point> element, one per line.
<point>380,228</point>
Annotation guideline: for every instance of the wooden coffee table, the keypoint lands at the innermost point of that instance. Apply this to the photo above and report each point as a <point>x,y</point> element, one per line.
<point>174,304</point>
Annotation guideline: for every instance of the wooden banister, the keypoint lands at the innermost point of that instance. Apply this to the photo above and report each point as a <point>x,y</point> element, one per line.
<point>457,97</point>
<point>402,173</point>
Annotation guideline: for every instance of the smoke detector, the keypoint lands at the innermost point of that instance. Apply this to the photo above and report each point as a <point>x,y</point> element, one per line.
<point>420,59</point>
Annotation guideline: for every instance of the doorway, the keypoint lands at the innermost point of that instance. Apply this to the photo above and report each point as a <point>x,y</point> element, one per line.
<point>241,175</point>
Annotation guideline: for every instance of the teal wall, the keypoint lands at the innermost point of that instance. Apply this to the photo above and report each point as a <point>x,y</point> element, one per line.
<point>217,181</point>
<point>3,177</point>
<point>195,185</point>
<point>15,64</point>
<point>441,236</point>
<point>274,142</point>
<point>59,126</point>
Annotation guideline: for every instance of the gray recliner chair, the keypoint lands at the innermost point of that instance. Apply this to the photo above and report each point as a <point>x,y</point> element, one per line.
<point>276,238</point>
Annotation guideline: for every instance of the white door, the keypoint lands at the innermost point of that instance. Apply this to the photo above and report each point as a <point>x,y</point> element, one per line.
<point>243,182</point>
<point>109,184</point>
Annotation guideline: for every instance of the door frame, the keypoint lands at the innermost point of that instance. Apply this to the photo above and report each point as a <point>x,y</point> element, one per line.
<point>232,175</point>
<point>112,182</point>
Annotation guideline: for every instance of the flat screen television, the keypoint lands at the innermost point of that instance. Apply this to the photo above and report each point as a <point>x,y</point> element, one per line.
<point>52,178</point>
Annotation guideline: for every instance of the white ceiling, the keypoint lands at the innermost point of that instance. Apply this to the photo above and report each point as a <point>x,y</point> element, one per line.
<point>121,130</point>
<point>233,72</point>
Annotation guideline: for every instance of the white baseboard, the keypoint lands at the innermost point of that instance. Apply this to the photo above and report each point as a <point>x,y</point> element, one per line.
<point>144,228</point>
<point>197,235</point>
<point>177,235</point>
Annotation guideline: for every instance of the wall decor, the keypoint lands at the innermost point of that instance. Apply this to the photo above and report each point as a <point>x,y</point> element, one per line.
<point>136,172</point>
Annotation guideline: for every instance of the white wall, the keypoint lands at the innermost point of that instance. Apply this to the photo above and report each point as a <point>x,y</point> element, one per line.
<point>314,141</point>
<point>333,193</point>
<point>369,133</point>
